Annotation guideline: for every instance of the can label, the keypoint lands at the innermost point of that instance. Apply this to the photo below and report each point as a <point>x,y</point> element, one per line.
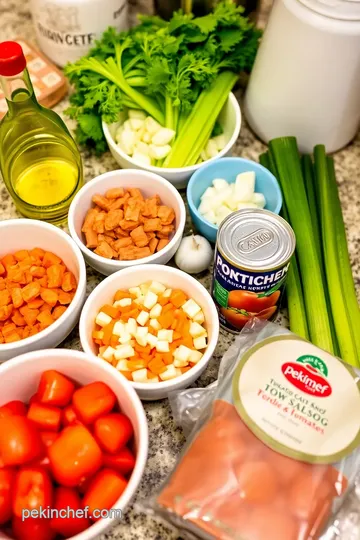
<point>240,294</point>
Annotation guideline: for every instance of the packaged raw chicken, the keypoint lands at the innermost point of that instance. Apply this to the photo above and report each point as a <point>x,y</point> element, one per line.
<point>273,447</point>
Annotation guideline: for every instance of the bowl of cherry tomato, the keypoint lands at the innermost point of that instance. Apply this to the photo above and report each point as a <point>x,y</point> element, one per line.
<point>73,444</point>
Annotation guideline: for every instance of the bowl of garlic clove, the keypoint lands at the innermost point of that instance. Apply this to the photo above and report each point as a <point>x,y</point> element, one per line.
<point>137,134</point>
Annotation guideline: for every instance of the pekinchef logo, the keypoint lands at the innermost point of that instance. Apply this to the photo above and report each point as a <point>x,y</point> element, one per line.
<point>309,374</point>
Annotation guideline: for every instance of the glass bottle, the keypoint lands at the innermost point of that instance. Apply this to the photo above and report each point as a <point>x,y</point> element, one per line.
<point>39,160</point>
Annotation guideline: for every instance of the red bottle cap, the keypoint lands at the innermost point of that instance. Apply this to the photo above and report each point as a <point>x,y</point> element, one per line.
<point>12,59</point>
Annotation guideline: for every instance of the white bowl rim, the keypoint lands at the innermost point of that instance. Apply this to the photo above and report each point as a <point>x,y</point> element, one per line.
<point>81,285</point>
<point>126,172</point>
<point>142,452</point>
<point>165,385</point>
<point>191,168</point>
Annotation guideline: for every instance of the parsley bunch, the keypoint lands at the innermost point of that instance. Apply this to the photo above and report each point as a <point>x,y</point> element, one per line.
<point>179,72</point>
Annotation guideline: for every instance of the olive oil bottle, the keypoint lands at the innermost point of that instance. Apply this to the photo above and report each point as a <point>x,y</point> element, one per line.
<point>39,160</point>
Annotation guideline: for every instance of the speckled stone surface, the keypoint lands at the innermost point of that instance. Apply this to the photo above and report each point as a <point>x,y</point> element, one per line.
<point>166,439</point>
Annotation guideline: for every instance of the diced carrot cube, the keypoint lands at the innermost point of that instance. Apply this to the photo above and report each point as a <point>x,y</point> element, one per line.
<point>16,275</point>
<point>36,304</point>
<point>157,366</point>
<point>136,193</point>
<point>8,329</point>
<point>55,275</point>
<point>14,336</point>
<point>115,193</point>
<point>91,238</point>
<point>28,277</point>
<point>45,319</point>
<point>134,365</point>
<point>114,341</point>
<point>37,271</point>
<point>2,269</point>
<point>178,298</point>
<point>38,253</point>
<point>49,296</point>
<point>29,315</point>
<point>68,282</point>
<point>166,319</point>
<point>5,312</point>
<point>64,298</point>
<point>108,332</point>
<point>139,237</point>
<point>21,254</point>
<point>46,307</point>
<point>5,297</point>
<point>142,350</point>
<point>153,244</point>
<point>43,282</point>
<point>8,260</point>
<point>112,311</point>
<point>163,301</point>
<point>127,375</point>
<point>168,358</point>
<point>119,295</point>
<point>18,319</point>
<point>50,259</point>
<point>185,369</point>
<point>58,311</point>
<point>152,224</point>
<point>31,291</point>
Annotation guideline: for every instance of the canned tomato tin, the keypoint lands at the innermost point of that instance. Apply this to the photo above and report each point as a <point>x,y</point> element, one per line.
<point>252,257</point>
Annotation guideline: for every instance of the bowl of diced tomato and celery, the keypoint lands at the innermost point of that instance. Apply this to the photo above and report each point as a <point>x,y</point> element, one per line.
<point>73,444</point>
<point>156,325</point>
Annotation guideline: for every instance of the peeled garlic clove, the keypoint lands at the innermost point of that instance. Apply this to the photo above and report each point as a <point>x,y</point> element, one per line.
<point>142,159</point>
<point>135,113</point>
<point>159,152</point>
<point>151,125</point>
<point>136,123</point>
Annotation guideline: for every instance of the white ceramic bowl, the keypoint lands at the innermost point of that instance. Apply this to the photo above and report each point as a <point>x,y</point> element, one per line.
<point>173,278</point>
<point>229,119</point>
<point>83,369</point>
<point>149,184</point>
<point>18,234</point>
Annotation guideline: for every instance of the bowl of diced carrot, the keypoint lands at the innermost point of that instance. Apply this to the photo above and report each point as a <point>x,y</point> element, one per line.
<point>154,324</point>
<point>42,286</point>
<point>125,218</point>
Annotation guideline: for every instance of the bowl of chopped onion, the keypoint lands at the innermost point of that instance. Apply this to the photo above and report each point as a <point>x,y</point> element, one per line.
<point>217,189</point>
<point>154,324</point>
<point>137,141</point>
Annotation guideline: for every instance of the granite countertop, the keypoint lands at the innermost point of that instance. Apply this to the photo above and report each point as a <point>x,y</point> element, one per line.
<point>166,440</point>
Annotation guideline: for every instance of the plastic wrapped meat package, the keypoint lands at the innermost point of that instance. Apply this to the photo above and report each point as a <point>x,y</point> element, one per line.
<point>272,447</point>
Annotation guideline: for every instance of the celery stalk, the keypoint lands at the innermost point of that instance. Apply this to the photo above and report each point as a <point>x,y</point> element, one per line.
<point>342,293</point>
<point>294,291</point>
<point>312,197</point>
<point>285,153</point>
<point>201,119</point>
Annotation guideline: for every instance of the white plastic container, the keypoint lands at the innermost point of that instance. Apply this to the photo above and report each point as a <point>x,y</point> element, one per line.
<point>306,77</point>
<point>67,29</point>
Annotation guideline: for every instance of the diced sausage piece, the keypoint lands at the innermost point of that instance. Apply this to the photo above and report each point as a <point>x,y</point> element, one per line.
<point>101,201</point>
<point>91,239</point>
<point>104,250</point>
<point>136,193</point>
<point>128,225</point>
<point>113,219</point>
<point>150,208</point>
<point>89,220</point>
<point>153,244</point>
<point>132,252</point>
<point>139,237</point>
<point>115,193</point>
<point>120,233</point>
<point>165,231</point>
<point>152,224</point>
<point>162,243</point>
<point>122,242</point>
<point>99,223</point>
<point>166,215</point>
<point>132,213</point>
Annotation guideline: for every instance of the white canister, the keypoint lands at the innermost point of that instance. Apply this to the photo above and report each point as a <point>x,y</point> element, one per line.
<point>67,29</point>
<point>306,77</point>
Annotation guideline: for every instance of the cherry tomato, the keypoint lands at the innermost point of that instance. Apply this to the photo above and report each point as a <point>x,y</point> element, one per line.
<point>7,477</point>
<point>55,389</point>
<point>104,490</point>
<point>250,301</point>
<point>20,441</point>
<point>32,490</point>
<point>45,416</point>
<point>34,399</point>
<point>32,528</point>
<point>48,438</point>
<point>93,400</point>
<point>69,416</point>
<point>113,432</point>
<point>68,524</point>
<point>122,462</point>
<point>74,455</point>
<point>13,408</point>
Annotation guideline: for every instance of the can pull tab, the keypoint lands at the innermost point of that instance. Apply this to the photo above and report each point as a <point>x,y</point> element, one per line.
<point>255,240</point>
